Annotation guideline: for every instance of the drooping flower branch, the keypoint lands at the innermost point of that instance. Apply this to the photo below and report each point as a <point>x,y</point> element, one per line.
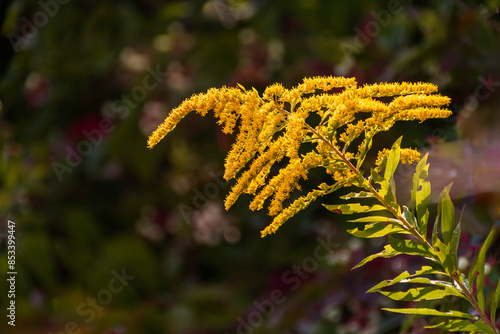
<point>273,126</point>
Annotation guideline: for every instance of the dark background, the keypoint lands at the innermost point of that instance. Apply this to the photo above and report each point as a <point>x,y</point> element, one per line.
<point>74,69</point>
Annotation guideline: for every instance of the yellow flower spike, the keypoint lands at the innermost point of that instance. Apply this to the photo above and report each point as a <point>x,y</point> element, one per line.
<point>275,152</point>
<point>418,100</point>
<point>392,89</point>
<point>248,141</point>
<point>423,113</point>
<point>259,180</point>
<point>370,105</point>
<point>295,132</point>
<point>298,205</point>
<point>326,84</point>
<point>289,181</point>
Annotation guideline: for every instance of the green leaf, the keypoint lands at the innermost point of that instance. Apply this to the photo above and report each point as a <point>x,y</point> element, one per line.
<point>393,159</point>
<point>409,247</point>
<point>351,208</point>
<point>478,267</point>
<point>495,302</point>
<point>454,244</point>
<point>405,276</point>
<point>435,236</point>
<point>456,325</point>
<point>433,312</point>
<point>386,253</point>
<point>445,258</point>
<point>447,216</point>
<point>377,230</point>
<point>409,217</point>
<point>375,219</point>
<point>422,223</point>
<point>385,191</point>
<point>361,194</point>
<point>420,194</point>
<point>421,293</point>
<point>465,281</point>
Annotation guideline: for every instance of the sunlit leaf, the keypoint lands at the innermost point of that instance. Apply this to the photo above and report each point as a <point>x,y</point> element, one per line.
<point>351,208</point>
<point>385,191</point>
<point>421,293</point>
<point>447,260</point>
<point>420,194</point>
<point>386,253</point>
<point>377,230</point>
<point>409,247</point>
<point>393,159</point>
<point>433,312</point>
<point>403,277</point>
<point>435,236</point>
<point>454,243</point>
<point>375,219</point>
<point>456,325</point>
<point>447,216</point>
<point>361,194</point>
<point>409,217</point>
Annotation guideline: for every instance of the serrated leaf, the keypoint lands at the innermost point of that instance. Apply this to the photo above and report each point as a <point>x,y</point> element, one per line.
<point>377,230</point>
<point>433,312</point>
<point>393,159</point>
<point>361,194</point>
<point>478,267</point>
<point>447,216</point>
<point>420,293</point>
<point>351,208</point>
<point>409,247</point>
<point>456,325</point>
<point>386,253</point>
<point>495,302</point>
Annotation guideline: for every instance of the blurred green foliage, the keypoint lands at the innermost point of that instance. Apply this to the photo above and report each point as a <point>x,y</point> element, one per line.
<point>199,269</point>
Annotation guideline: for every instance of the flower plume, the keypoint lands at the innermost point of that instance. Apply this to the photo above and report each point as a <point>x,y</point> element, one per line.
<point>273,126</point>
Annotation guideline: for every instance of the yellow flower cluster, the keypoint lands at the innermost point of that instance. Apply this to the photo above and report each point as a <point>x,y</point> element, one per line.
<point>407,156</point>
<point>274,126</point>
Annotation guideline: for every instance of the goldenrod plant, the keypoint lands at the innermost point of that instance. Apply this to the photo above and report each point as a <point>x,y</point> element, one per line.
<point>330,123</point>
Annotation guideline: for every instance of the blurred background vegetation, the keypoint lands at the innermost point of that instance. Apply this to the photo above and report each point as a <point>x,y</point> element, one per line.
<point>88,209</point>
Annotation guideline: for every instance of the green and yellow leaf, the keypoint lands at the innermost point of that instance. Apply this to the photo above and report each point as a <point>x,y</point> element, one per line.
<point>432,312</point>
<point>377,230</point>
